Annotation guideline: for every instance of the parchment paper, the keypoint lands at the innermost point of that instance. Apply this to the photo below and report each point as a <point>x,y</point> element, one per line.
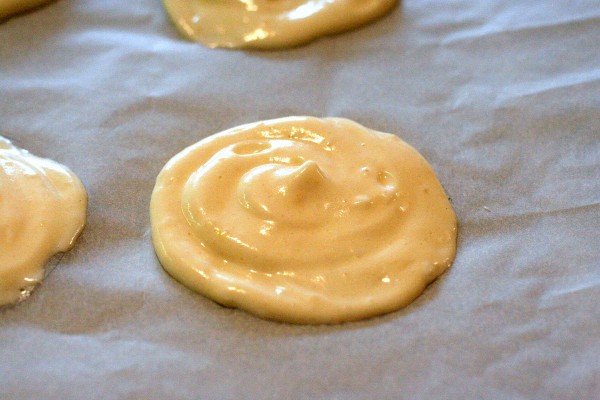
<point>502,97</point>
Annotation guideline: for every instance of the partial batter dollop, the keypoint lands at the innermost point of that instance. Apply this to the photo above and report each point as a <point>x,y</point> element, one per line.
<point>270,23</point>
<point>42,211</point>
<point>10,7</point>
<point>303,220</point>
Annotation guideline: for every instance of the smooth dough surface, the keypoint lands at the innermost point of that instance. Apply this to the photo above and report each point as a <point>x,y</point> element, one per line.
<point>10,7</point>
<point>270,23</point>
<point>303,220</point>
<point>42,211</point>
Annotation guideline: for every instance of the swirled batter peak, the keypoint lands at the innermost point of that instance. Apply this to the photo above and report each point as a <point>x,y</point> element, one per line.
<point>270,23</point>
<point>42,211</point>
<point>303,220</point>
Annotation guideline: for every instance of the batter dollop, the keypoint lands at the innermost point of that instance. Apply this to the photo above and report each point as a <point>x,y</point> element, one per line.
<point>10,7</point>
<point>270,23</point>
<point>303,220</point>
<point>42,211</point>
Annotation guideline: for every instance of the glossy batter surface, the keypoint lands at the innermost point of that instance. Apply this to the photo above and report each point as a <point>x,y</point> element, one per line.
<point>303,220</point>
<point>270,23</point>
<point>42,211</point>
<point>10,7</point>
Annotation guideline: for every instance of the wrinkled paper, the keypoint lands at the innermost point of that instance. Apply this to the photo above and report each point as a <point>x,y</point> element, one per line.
<point>503,99</point>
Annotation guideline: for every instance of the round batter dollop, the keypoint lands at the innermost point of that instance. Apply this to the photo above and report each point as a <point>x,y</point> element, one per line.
<point>42,211</point>
<point>303,220</point>
<point>10,7</point>
<point>270,23</point>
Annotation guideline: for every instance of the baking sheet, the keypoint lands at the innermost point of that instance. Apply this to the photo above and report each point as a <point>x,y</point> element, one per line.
<point>503,98</point>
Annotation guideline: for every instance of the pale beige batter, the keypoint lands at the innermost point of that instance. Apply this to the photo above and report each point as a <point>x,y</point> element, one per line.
<point>10,7</point>
<point>270,23</point>
<point>303,220</point>
<point>42,211</point>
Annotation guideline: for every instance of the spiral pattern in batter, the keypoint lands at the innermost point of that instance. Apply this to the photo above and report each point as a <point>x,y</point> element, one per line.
<point>303,220</point>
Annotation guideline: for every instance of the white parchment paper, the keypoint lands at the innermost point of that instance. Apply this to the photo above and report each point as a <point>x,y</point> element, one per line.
<point>502,97</point>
